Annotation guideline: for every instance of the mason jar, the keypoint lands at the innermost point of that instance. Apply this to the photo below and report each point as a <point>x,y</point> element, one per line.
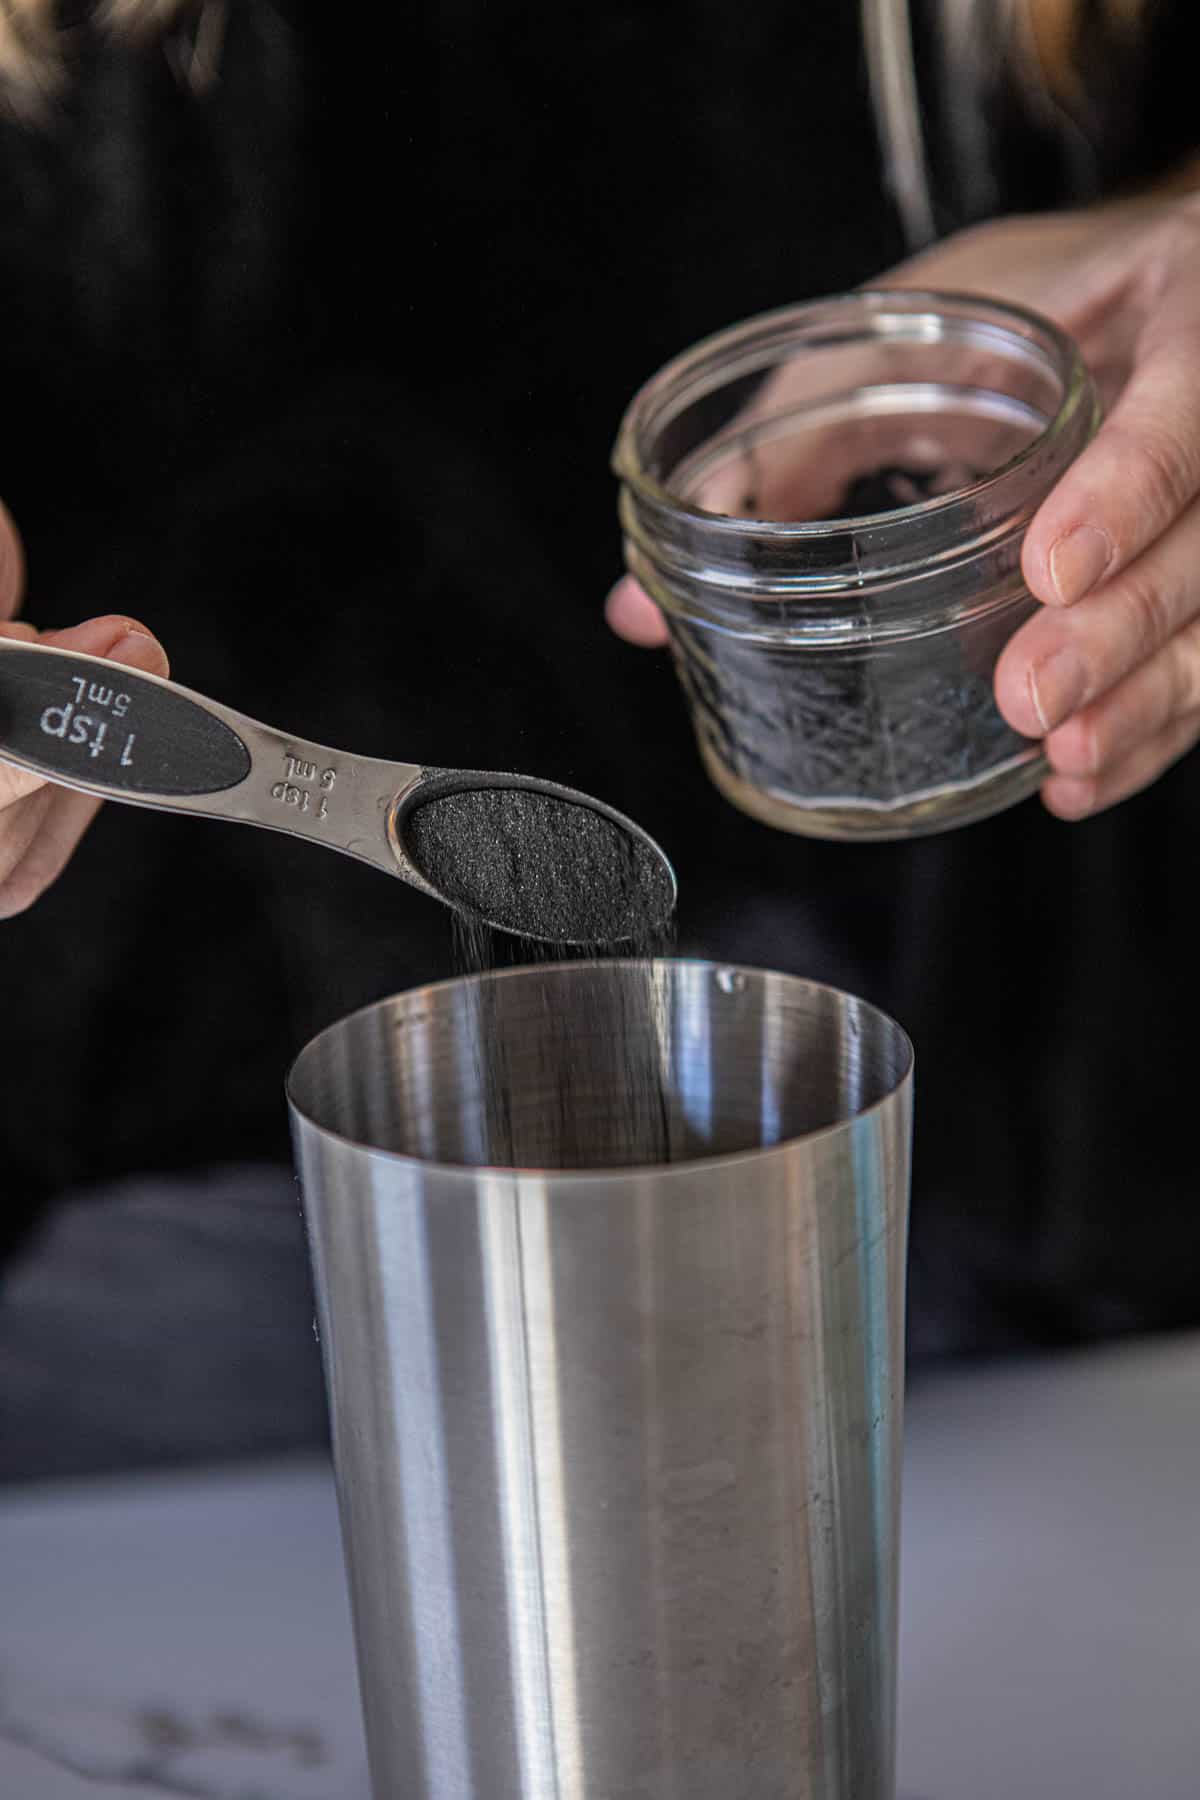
<point>828,504</point>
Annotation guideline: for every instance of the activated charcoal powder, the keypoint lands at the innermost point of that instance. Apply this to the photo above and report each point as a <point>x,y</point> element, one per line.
<point>890,487</point>
<point>541,866</point>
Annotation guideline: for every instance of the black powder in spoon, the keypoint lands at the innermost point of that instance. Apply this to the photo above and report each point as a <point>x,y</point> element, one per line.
<point>540,866</point>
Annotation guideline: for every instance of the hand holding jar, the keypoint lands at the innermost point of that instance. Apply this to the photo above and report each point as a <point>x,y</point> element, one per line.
<point>1107,670</point>
<point>41,825</point>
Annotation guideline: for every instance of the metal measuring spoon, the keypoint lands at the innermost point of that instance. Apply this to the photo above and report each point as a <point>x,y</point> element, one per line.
<point>108,730</point>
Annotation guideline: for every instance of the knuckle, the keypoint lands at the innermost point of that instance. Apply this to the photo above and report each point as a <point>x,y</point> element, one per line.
<point>1150,612</point>
<point>19,892</point>
<point>1168,465</point>
<point>1151,473</point>
<point>1183,680</point>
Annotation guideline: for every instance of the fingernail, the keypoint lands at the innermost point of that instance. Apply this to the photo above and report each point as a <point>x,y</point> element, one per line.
<point>1057,687</point>
<point>1078,561</point>
<point>136,647</point>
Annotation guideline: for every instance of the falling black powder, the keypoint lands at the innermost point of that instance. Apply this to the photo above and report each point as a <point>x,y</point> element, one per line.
<point>541,866</point>
<point>567,882</point>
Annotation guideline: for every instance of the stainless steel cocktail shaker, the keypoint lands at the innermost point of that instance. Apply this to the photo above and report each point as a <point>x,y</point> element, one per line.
<point>617,1438</point>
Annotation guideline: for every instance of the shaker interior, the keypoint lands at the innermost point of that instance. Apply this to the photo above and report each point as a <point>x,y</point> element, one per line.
<point>599,1065</point>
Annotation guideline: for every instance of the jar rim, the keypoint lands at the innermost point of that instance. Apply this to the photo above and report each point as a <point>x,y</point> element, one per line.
<point>700,370</point>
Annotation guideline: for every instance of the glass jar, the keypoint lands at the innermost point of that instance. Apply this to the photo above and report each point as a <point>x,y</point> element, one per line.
<point>828,503</point>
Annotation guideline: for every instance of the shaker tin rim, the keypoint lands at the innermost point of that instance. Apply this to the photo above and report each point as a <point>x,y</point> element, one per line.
<point>517,1176</point>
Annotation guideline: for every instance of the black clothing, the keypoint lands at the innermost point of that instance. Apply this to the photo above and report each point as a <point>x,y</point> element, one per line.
<point>317,373</point>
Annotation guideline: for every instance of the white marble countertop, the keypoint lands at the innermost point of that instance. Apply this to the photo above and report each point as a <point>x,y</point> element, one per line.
<point>189,1635</point>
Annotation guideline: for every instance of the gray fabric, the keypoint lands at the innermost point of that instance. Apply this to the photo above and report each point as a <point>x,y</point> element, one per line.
<point>161,1321</point>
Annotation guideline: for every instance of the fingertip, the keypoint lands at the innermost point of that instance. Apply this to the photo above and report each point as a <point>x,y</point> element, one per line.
<point>1016,698</point>
<point>1067,552</point>
<point>1069,797</point>
<point>139,650</point>
<point>1074,750</point>
<point>632,614</point>
<point>12,564</point>
<point>1035,567</point>
<point>1056,564</point>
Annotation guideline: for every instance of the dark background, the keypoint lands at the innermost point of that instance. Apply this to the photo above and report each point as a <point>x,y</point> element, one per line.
<point>317,373</point>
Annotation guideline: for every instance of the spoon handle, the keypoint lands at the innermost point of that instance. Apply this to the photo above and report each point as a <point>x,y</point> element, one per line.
<point>95,725</point>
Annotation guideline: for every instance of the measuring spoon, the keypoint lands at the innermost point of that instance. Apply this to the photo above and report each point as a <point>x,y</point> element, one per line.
<point>98,726</point>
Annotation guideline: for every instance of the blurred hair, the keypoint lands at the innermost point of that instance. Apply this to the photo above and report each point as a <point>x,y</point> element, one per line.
<point>36,48</point>
<point>1046,49</point>
<point>1056,29</point>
